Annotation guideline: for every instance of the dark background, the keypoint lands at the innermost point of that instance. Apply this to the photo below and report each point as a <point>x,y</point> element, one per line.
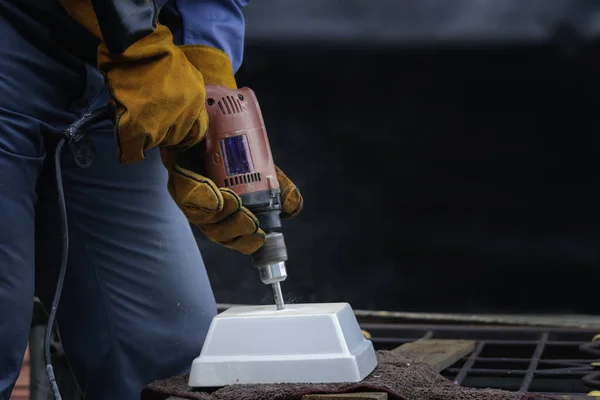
<point>447,152</point>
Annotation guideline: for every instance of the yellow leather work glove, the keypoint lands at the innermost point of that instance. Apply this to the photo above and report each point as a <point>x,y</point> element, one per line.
<point>159,96</point>
<point>219,212</point>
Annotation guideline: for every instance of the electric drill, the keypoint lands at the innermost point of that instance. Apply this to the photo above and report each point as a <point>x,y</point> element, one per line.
<point>237,155</point>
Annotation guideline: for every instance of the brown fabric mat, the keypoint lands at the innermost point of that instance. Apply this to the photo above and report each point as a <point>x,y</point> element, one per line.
<point>395,374</point>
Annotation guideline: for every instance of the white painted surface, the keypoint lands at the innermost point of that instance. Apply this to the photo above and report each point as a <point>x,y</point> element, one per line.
<point>302,343</point>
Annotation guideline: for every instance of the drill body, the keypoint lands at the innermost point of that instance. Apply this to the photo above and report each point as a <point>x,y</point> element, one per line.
<point>237,155</point>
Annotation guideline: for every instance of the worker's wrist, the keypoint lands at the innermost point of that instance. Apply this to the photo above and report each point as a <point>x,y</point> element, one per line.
<point>214,64</point>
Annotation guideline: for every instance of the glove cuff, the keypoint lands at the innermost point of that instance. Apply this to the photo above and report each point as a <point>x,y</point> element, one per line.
<point>213,64</point>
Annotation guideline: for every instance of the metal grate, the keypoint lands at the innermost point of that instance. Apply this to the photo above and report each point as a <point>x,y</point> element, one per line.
<point>543,361</point>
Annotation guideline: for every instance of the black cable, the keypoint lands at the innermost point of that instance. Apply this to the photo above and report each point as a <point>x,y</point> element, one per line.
<point>62,270</point>
<point>82,150</point>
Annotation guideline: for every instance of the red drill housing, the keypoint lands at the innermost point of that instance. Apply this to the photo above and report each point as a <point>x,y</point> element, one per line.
<point>238,154</point>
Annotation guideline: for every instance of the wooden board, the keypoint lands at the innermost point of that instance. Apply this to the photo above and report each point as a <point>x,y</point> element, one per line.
<point>439,353</point>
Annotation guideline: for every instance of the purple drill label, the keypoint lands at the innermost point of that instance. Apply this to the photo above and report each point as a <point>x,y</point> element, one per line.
<point>236,155</point>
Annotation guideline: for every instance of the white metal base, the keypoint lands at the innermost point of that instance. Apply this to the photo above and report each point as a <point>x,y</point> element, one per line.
<point>313,343</point>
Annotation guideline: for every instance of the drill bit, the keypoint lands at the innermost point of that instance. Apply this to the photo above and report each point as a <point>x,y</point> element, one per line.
<point>278,295</point>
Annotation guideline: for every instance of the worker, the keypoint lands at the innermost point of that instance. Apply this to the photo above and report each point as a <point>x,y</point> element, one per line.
<point>137,301</point>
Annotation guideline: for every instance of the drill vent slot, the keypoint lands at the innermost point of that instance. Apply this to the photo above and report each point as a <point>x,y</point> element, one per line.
<point>230,105</point>
<point>242,179</point>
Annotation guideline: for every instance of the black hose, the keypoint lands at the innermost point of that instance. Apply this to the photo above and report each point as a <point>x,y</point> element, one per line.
<point>83,151</point>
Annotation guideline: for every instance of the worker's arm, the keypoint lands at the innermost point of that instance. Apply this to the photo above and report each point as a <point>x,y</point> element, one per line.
<point>120,23</point>
<point>218,24</point>
<point>211,33</point>
<point>212,37</point>
<point>159,96</point>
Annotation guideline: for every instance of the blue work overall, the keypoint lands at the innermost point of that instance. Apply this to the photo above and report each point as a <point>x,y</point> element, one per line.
<point>137,302</point>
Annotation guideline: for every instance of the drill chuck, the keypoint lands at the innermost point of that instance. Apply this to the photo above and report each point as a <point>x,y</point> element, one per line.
<point>270,259</point>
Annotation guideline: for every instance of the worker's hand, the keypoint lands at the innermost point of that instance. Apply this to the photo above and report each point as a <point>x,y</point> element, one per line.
<point>219,212</point>
<point>216,212</point>
<point>291,198</point>
<point>158,94</point>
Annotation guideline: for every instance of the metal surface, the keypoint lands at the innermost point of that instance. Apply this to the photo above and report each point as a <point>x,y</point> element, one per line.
<point>544,361</point>
<point>555,321</point>
<point>272,273</point>
<point>278,296</point>
<point>593,348</point>
<point>552,321</point>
